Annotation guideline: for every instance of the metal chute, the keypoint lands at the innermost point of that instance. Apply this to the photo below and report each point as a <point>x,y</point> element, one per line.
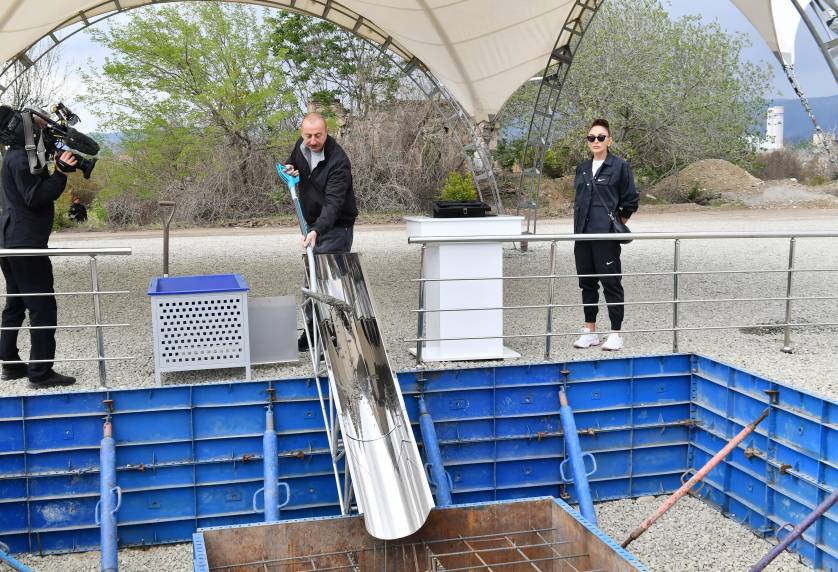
<point>388,476</point>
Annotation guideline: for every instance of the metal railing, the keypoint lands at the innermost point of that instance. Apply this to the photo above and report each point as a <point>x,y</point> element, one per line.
<point>98,326</point>
<point>676,273</point>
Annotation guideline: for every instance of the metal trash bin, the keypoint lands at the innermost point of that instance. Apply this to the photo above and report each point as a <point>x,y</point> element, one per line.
<point>199,322</point>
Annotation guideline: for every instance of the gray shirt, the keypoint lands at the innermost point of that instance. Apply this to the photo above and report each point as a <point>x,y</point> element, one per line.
<point>313,157</point>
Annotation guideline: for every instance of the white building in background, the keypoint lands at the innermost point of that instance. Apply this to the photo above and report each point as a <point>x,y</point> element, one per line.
<point>774,128</point>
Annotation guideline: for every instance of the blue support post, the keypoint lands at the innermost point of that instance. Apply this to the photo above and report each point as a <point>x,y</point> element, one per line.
<point>106,507</point>
<point>271,464</point>
<point>577,460</point>
<point>433,455</point>
<point>8,559</point>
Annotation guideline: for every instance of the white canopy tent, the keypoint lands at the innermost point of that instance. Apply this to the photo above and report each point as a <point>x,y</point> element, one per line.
<point>777,21</point>
<point>480,50</point>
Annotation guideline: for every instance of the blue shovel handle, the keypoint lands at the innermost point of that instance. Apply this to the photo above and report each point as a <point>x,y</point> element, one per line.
<point>289,180</point>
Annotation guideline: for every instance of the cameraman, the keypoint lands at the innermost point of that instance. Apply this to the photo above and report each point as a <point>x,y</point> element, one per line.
<point>26,222</point>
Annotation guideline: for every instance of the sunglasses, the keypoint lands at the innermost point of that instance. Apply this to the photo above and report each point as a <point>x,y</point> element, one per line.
<point>601,137</point>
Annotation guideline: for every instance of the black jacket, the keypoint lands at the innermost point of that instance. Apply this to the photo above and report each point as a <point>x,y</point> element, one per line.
<point>326,194</point>
<point>615,183</point>
<point>27,202</point>
<point>78,212</point>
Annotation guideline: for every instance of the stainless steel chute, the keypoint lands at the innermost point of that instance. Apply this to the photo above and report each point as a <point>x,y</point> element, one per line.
<point>388,476</point>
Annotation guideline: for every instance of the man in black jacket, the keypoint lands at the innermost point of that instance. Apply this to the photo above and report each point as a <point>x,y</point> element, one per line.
<point>78,212</point>
<point>26,222</point>
<point>325,192</point>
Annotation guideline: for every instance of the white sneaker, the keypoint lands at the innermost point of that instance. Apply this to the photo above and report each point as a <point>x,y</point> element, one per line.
<point>613,343</point>
<point>586,340</point>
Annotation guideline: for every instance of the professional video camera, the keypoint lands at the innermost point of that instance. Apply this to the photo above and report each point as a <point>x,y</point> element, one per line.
<point>41,135</point>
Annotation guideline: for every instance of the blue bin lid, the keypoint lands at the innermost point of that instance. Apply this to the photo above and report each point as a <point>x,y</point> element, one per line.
<point>174,285</point>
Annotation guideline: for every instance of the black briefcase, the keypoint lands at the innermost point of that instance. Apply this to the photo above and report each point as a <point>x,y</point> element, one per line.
<point>460,209</point>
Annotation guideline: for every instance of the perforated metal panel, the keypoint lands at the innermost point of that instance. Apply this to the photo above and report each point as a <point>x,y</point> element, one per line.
<point>204,331</point>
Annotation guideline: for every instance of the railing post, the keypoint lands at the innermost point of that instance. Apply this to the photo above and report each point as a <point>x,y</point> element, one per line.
<point>676,264</point>
<point>787,338</point>
<point>548,340</point>
<point>420,320</point>
<point>97,321</point>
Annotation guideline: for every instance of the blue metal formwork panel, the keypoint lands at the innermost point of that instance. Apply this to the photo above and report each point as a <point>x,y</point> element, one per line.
<point>500,435</point>
<point>779,473</point>
<point>191,456</point>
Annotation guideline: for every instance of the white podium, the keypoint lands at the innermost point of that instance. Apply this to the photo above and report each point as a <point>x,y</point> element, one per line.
<point>464,260</point>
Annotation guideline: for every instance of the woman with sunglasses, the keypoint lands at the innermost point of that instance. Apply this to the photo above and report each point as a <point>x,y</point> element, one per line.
<point>604,187</point>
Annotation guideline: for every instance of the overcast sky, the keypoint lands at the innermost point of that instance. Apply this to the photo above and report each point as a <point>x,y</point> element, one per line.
<point>812,71</point>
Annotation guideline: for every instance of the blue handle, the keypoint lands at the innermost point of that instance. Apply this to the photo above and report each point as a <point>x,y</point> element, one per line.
<point>289,180</point>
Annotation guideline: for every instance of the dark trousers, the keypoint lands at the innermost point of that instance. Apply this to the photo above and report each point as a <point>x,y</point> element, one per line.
<point>600,257</point>
<point>25,275</point>
<point>337,241</point>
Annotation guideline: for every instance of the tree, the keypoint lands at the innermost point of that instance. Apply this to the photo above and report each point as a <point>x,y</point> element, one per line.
<point>325,62</point>
<point>203,106</point>
<point>674,91</point>
<point>43,84</point>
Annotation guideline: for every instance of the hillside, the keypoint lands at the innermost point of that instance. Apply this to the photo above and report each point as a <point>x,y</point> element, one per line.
<point>798,125</point>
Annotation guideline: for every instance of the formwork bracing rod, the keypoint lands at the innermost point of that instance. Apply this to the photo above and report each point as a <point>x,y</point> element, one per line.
<point>110,497</point>
<point>9,560</point>
<point>433,455</point>
<point>577,460</point>
<point>700,474</point>
<point>271,464</point>
<point>797,532</point>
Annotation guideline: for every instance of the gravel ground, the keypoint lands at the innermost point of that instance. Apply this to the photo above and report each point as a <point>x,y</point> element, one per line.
<point>269,259</point>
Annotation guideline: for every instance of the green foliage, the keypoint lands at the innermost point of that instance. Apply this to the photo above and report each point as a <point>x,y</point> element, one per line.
<point>98,212</point>
<point>458,187</point>
<point>508,153</point>
<point>323,60</point>
<point>674,91</point>
<point>203,107</point>
<point>61,219</point>
<point>694,193</point>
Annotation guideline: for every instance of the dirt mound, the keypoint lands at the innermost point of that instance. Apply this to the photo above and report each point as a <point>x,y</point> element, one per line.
<point>556,196</point>
<point>706,180</point>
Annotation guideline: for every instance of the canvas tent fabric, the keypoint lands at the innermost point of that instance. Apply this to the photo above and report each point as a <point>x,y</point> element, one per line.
<point>777,22</point>
<point>480,50</point>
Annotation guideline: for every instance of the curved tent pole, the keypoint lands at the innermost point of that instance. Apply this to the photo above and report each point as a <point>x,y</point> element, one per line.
<point>456,119</point>
<point>555,72</point>
<point>804,101</point>
<point>541,121</point>
<point>827,13</point>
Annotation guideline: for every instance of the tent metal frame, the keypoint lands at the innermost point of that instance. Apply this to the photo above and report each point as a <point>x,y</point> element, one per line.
<point>456,120</point>
<point>821,19</point>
